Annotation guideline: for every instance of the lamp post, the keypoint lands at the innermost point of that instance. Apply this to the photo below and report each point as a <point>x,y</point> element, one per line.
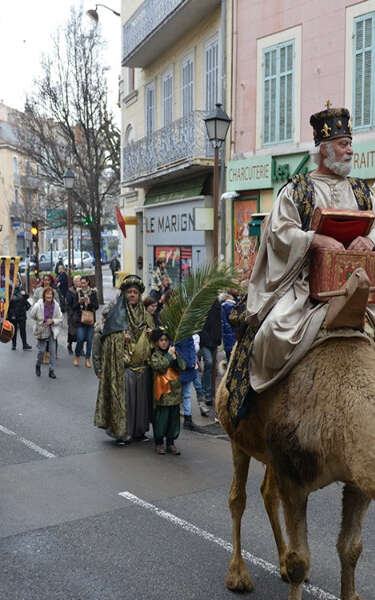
<point>93,13</point>
<point>217,125</point>
<point>68,178</point>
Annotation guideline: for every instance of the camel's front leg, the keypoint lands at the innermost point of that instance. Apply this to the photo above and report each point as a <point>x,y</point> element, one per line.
<point>238,578</point>
<point>294,500</point>
<point>271,499</point>
<point>349,544</point>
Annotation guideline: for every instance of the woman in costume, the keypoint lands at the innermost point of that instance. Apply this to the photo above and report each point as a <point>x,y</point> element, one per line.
<point>124,401</point>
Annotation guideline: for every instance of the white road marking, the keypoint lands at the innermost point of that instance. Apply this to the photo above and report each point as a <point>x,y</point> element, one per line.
<point>314,591</point>
<point>28,443</point>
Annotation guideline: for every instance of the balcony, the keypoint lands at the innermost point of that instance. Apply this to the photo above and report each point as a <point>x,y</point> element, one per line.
<point>29,182</point>
<point>181,145</point>
<point>157,25</point>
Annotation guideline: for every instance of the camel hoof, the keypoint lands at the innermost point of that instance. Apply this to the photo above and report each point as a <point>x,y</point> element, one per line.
<point>296,568</point>
<point>239,581</point>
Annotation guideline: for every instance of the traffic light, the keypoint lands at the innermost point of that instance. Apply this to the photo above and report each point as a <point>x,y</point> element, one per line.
<point>87,220</point>
<point>34,231</point>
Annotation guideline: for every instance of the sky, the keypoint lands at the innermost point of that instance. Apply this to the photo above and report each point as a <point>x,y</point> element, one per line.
<point>25,30</point>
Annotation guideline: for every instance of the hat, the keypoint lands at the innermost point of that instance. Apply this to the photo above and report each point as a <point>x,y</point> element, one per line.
<point>331,123</point>
<point>157,333</point>
<point>132,281</point>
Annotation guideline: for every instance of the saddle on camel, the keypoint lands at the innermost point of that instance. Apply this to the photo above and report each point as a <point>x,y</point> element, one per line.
<point>299,393</point>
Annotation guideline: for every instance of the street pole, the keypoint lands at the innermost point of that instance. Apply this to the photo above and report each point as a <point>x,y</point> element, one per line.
<point>216,204</point>
<point>69,225</point>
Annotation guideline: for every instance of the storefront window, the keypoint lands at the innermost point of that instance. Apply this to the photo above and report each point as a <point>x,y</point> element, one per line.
<point>178,261</point>
<point>245,247</point>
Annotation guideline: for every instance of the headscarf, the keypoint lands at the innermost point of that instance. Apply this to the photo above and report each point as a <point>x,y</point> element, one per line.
<point>125,317</point>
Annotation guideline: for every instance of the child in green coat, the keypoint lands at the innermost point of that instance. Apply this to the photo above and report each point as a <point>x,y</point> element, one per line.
<point>166,365</point>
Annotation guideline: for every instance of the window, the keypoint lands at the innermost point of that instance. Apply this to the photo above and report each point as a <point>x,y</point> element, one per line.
<point>167,92</point>
<point>150,109</point>
<point>278,93</point>
<point>15,166</point>
<point>211,74</point>
<point>364,63</point>
<point>187,80</point>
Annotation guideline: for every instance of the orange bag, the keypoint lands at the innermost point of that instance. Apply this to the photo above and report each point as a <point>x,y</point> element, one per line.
<point>162,383</point>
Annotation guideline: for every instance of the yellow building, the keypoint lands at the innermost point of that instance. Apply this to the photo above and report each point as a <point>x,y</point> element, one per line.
<point>18,188</point>
<point>176,57</point>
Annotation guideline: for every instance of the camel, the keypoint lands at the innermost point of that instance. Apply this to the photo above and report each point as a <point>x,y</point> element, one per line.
<point>313,428</point>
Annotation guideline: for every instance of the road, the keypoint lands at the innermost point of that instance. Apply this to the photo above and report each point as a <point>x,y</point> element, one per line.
<point>83,519</point>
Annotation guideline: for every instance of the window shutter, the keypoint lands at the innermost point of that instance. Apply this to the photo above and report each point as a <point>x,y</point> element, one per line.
<point>363,65</point>
<point>150,108</point>
<point>187,87</point>
<point>167,99</point>
<point>212,74</point>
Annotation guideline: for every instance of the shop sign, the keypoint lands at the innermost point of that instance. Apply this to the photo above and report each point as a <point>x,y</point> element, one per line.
<point>172,222</point>
<point>250,174</point>
<point>364,160</point>
<point>204,219</point>
<point>285,167</point>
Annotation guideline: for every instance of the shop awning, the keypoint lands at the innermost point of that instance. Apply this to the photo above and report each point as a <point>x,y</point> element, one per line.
<point>172,192</point>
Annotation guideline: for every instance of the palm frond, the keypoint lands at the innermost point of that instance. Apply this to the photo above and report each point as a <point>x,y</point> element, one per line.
<point>190,302</point>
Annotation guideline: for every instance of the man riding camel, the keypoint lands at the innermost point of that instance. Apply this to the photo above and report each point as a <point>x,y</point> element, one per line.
<point>281,322</point>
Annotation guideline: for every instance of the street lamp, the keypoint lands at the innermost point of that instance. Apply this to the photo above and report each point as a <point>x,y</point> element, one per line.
<point>93,13</point>
<point>68,178</point>
<point>217,125</point>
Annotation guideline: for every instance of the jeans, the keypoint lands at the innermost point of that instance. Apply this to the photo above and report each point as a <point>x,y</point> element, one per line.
<point>207,355</point>
<point>197,384</point>
<point>42,345</point>
<point>84,333</point>
<point>186,397</point>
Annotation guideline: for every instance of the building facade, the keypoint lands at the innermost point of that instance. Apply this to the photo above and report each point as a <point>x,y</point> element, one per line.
<point>289,59</point>
<point>176,64</point>
<point>18,187</point>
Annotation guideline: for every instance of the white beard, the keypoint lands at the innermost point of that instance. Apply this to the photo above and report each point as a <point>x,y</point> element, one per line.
<point>339,167</point>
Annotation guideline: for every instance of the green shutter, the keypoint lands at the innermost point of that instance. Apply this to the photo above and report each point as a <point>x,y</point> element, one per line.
<point>278,65</point>
<point>363,80</point>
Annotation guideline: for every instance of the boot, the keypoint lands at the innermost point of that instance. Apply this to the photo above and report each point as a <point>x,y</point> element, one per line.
<point>37,370</point>
<point>52,374</point>
<point>14,347</point>
<point>70,349</point>
<point>205,411</point>
<point>76,361</point>
<point>188,424</point>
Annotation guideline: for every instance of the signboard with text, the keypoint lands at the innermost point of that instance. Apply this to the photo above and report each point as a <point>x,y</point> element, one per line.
<point>251,174</point>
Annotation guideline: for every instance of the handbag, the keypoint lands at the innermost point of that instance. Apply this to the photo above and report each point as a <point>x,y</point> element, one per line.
<point>87,317</point>
<point>42,331</point>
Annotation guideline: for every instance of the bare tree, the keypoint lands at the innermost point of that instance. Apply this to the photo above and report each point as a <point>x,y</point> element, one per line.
<point>67,123</point>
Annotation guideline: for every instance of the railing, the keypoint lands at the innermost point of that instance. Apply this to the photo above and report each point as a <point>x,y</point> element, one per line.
<point>146,18</point>
<point>182,140</point>
<point>30,182</point>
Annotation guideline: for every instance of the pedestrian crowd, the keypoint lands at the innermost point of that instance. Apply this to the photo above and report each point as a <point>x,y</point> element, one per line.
<point>143,377</point>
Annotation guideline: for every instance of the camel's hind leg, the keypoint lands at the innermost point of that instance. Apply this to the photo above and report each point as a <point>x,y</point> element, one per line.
<point>238,578</point>
<point>349,544</point>
<point>271,499</point>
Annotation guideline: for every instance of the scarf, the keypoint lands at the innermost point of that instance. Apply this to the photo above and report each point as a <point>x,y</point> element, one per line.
<point>48,310</point>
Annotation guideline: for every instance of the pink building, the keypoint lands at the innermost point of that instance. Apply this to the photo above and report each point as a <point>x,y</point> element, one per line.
<point>289,58</point>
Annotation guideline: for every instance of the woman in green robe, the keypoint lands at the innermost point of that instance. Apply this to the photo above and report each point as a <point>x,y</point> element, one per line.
<point>124,401</point>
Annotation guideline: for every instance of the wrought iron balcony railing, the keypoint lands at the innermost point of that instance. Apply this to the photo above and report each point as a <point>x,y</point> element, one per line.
<point>144,21</point>
<point>183,140</point>
<point>30,182</point>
